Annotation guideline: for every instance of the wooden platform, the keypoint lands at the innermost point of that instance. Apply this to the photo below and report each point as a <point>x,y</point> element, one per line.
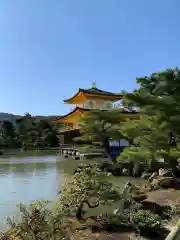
<point>91,155</point>
<point>76,153</point>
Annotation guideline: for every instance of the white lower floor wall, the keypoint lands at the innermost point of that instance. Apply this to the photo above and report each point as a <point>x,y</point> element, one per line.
<point>119,143</point>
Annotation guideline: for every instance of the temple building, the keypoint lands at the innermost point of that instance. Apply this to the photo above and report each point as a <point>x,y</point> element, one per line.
<point>84,101</point>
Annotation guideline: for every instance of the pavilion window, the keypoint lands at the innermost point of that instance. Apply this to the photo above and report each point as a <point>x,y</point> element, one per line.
<point>109,105</point>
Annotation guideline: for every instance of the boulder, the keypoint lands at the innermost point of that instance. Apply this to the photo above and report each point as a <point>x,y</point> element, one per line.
<point>165,173</point>
<point>153,207</point>
<point>165,182</point>
<point>105,235</point>
<point>161,201</point>
<point>139,197</point>
<point>145,175</point>
<point>168,182</point>
<point>125,171</point>
<point>152,177</point>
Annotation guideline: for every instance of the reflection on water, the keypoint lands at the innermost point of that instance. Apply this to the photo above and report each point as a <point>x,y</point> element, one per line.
<point>26,180</point>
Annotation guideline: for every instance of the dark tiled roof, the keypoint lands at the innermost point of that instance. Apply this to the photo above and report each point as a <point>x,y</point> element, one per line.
<point>88,109</point>
<point>98,91</point>
<point>73,111</point>
<point>95,91</point>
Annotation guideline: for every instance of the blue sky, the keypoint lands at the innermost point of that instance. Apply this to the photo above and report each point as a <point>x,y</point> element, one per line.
<point>48,49</point>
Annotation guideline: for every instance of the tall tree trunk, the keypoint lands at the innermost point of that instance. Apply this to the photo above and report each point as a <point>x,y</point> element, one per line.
<point>153,163</point>
<point>106,146</point>
<point>137,169</point>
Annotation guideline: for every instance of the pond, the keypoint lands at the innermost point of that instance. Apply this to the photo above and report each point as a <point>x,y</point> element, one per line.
<point>30,178</point>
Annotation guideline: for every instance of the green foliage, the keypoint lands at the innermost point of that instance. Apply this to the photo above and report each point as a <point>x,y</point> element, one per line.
<point>37,222</point>
<point>156,131</point>
<point>101,126</point>
<point>133,154</point>
<point>144,219</point>
<point>30,134</point>
<point>146,157</point>
<point>8,137</point>
<point>89,185</point>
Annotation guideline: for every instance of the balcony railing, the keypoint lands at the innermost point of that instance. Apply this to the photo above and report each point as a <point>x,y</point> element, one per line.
<point>99,105</point>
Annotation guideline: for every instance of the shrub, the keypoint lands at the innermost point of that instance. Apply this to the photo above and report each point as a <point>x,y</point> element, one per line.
<point>145,219</point>
<point>89,186</point>
<point>38,222</point>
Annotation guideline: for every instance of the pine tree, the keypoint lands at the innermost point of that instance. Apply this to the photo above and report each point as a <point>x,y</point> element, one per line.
<point>157,130</point>
<point>101,126</point>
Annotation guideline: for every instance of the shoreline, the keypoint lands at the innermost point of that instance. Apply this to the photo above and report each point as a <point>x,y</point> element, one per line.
<point>19,152</point>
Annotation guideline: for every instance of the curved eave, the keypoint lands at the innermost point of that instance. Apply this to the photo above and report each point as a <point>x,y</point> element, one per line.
<point>76,95</point>
<point>82,94</point>
<point>78,109</point>
<point>63,118</point>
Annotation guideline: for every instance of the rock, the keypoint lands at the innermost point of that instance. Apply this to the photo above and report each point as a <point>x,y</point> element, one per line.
<point>146,175</point>
<point>164,197</point>
<point>125,171</point>
<point>104,235</point>
<point>164,173</point>
<point>152,206</point>
<point>139,197</point>
<point>161,201</point>
<point>152,177</point>
<point>165,182</point>
<point>168,182</point>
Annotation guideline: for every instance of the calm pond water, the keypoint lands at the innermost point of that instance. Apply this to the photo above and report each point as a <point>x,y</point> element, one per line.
<point>30,178</point>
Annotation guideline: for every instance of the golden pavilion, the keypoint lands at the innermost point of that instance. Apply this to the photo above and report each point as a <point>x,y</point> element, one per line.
<point>84,101</point>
